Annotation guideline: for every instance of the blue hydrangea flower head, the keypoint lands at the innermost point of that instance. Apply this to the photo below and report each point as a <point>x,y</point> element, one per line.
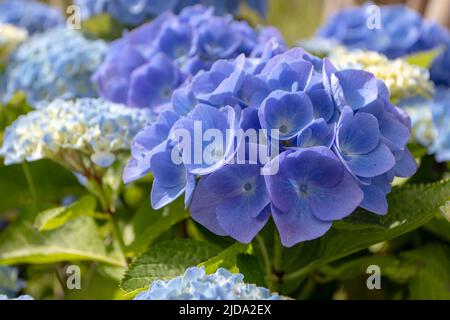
<point>195,284</point>
<point>402,30</point>
<point>73,133</point>
<point>34,16</point>
<point>145,66</point>
<point>24,297</point>
<point>136,12</point>
<point>334,137</point>
<point>440,69</point>
<point>54,64</point>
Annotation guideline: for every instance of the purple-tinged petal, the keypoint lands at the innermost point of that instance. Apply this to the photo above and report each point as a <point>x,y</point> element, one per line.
<point>318,133</point>
<point>371,164</point>
<point>374,200</point>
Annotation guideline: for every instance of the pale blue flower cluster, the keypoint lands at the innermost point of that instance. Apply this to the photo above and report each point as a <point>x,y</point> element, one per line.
<point>195,284</point>
<point>24,297</point>
<point>440,69</point>
<point>341,142</point>
<point>54,64</point>
<point>10,284</point>
<point>394,30</point>
<point>430,122</point>
<point>67,131</point>
<point>136,12</point>
<point>30,14</point>
<point>143,68</point>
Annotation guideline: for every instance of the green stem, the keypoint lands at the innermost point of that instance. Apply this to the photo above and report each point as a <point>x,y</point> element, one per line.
<point>29,177</point>
<point>297,274</point>
<point>278,253</point>
<point>119,238</point>
<point>265,254</point>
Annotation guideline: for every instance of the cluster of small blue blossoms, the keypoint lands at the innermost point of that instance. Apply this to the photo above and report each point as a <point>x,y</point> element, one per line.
<point>143,68</point>
<point>440,69</point>
<point>401,31</point>
<point>72,133</point>
<point>341,143</point>
<point>136,12</point>
<point>10,284</point>
<point>430,120</point>
<point>56,64</point>
<point>24,297</point>
<point>195,284</point>
<point>30,14</point>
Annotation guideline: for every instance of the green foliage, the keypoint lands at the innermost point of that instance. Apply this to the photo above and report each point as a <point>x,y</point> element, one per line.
<point>166,260</point>
<point>250,267</point>
<point>148,224</point>
<point>432,281</point>
<point>409,208</point>
<point>423,59</point>
<point>54,218</point>
<point>52,183</point>
<point>102,26</point>
<point>227,258</point>
<point>77,239</point>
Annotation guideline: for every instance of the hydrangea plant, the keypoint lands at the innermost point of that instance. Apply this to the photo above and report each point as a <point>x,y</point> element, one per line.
<point>395,30</point>
<point>195,284</point>
<point>136,12</point>
<point>54,64</point>
<point>440,69</point>
<point>143,68</point>
<point>402,79</point>
<point>337,134</point>
<point>73,133</point>
<point>10,284</point>
<point>32,15</point>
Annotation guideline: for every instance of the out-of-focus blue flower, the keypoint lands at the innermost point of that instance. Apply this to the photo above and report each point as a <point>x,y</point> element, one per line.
<point>136,12</point>
<point>10,284</point>
<point>30,14</point>
<point>440,69</point>
<point>337,138</point>
<point>430,122</point>
<point>73,133</point>
<point>24,297</point>
<point>401,31</point>
<point>143,68</point>
<point>195,284</point>
<point>54,64</point>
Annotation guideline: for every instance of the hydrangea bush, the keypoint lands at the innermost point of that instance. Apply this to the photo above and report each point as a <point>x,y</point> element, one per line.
<point>339,138</point>
<point>143,68</point>
<point>396,30</point>
<point>54,64</point>
<point>32,15</point>
<point>136,12</point>
<point>195,284</point>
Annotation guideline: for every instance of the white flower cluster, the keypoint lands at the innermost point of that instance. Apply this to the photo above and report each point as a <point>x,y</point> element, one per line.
<point>10,38</point>
<point>403,79</point>
<point>71,131</point>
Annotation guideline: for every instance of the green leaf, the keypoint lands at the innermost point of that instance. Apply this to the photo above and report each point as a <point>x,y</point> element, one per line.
<point>250,267</point>
<point>423,59</point>
<point>439,227</point>
<point>78,239</point>
<point>149,224</point>
<point>103,26</point>
<point>11,110</point>
<point>52,183</point>
<point>409,208</point>
<point>54,218</point>
<point>166,260</point>
<point>432,281</point>
<point>227,258</point>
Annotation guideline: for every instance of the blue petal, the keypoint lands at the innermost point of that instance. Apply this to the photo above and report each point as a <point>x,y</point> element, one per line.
<point>357,134</point>
<point>374,200</point>
<point>371,164</point>
<point>162,195</point>
<point>287,112</point>
<point>318,133</point>
<point>337,202</point>
<point>354,88</point>
<point>299,224</point>
<point>323,104</point>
